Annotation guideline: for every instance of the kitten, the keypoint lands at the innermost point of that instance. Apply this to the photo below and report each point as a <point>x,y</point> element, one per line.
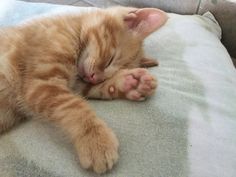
<point>48,65</point>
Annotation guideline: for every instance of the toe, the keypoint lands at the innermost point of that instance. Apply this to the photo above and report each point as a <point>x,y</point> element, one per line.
<point>146,78</point>
<point>111,158</point>
<point>153,83</point>
<point>143,88</point>
<point>85,159</point>
<point>139,72</point>
<point>99,164</point>
<point>134,95</point>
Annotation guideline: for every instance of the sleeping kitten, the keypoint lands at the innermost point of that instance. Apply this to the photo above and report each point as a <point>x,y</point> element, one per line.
<point>46,64</point>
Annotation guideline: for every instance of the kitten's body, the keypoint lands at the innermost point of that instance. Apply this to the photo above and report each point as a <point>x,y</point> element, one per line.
<point>43,63</point>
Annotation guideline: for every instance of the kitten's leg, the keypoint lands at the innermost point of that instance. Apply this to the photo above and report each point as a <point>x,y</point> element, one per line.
<point>133,84</point>
<point>95,143</point>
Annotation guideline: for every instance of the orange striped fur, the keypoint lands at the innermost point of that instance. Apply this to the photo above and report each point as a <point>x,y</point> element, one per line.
<point>47,63</point>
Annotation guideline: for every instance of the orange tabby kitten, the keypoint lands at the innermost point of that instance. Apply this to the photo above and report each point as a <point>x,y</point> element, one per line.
<point>47,63</point>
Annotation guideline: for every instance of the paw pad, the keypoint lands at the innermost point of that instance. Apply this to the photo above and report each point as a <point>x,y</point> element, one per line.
<point>138,84</point>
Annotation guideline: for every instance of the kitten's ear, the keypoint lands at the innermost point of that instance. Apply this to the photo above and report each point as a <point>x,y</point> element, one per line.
<point>148,62</point>
<point>145,21</point>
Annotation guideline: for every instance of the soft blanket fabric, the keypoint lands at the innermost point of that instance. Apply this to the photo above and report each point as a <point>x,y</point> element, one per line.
<point>188,128</point>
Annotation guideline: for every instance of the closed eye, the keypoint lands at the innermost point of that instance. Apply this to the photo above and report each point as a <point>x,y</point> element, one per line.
<point>110,61</point>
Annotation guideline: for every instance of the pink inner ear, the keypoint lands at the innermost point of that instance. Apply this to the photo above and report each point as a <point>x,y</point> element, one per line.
<point>145,21</point>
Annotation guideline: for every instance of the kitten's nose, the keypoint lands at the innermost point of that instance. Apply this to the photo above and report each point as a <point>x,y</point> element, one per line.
<point>92,78</point>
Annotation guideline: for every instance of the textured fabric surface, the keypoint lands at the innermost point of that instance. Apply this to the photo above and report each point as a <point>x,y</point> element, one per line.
<point>225,12</point>
<point>177,6</point>
<point>187,129</point>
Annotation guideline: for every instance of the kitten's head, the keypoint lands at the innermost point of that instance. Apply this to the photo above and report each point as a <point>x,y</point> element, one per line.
<point>114,39</point>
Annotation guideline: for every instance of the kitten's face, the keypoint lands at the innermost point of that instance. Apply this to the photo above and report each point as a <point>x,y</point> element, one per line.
<point>113,43</point>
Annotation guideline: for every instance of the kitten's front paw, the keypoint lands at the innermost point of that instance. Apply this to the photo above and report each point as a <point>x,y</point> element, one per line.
<point>98,149</point>
<point>137,84</point>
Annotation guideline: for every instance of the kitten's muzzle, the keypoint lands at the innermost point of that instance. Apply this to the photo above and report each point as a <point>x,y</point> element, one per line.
<point>92,78</point>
